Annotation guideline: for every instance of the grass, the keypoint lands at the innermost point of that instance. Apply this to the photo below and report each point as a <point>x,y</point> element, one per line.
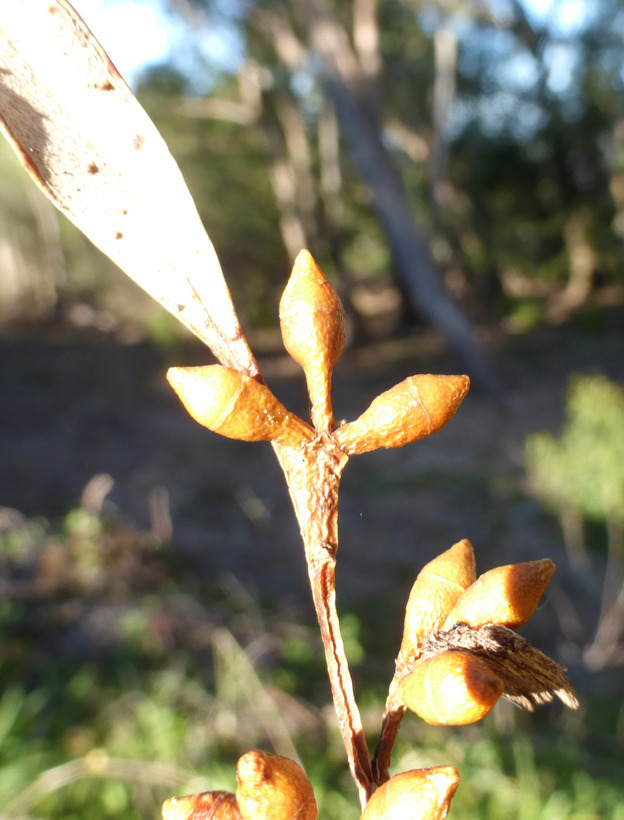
<point>125,680</point>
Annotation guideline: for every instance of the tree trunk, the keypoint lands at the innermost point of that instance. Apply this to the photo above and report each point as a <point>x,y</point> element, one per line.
<point>347,88</point>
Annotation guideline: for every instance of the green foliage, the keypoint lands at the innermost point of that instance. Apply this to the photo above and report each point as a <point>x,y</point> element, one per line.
<point>225,167</point>
<point>526,161</point>
<point>583,470</point>
<point>124,682</point>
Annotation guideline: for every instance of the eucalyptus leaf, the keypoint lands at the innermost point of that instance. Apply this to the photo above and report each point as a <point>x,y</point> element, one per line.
<point>85,140</point>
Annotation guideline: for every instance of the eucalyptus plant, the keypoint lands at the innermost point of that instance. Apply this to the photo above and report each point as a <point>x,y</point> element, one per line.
<point>91,148</point>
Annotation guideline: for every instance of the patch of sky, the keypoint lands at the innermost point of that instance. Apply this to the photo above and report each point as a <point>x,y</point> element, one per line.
<point>302,83</point>
<point>501,114</point>
<point>482,49</point>
<point>519,71</point>
<point>216,47</point>
<point>141,33</point>
<point>562,61</point>
<point>134,33</point>
<point>502,11</point>
<point>430,19</point>
<point>562,18</point>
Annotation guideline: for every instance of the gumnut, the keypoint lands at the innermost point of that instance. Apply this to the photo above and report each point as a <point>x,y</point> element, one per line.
<point>416,407</point>
<point>272,787</point>
<point>437,588</point>
<point>236,406</point>
<point>450,689</point>
<point>312,321</point>
<point>421,794</point>
<point>459,651</point>
<point>206,806</point>
<point>506,595</point>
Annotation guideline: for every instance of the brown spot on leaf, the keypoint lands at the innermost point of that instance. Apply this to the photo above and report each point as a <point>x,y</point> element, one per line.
<point>118,235</point>
<point>138,142</point>
<point>105,86</point>
<point>92,168</point>
<point>124,212</point>
<point>181,308</point>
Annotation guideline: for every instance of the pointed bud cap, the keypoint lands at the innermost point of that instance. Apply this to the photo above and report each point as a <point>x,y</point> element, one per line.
<point>415,408</point>
<point>272,787</point>
<point>506,595</point>
<point>424,794</point>
<point>434,593</point>
<point>206,806</point>
<point>450,689</point>
<point>312,320</point>
<point>237,406</point>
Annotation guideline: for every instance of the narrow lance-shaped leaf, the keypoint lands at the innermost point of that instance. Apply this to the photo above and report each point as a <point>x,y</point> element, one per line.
<point>92,149</point>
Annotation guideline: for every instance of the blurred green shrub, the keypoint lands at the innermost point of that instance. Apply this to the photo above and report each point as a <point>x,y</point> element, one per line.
<point>580,477</point>
<point>584,468</point>
<point>126,678</point>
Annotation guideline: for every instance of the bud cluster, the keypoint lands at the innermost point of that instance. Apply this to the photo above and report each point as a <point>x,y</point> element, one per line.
<point>459,653</point>
<point>312,322</point>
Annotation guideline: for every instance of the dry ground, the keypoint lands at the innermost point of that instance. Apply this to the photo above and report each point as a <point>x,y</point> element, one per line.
<point>73,407</point>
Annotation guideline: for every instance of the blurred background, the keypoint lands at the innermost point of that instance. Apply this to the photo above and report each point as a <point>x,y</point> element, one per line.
<point>457,170</point>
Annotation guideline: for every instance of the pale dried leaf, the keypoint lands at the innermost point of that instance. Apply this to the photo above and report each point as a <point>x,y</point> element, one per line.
<point>86,141</point>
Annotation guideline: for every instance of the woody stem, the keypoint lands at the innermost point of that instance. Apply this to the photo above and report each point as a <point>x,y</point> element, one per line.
<point>383,753</point>
<point>313,477</point>
<point>322,581</point>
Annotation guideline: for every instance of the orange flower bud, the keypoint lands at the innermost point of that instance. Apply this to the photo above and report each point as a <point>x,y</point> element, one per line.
<point>450,689</point>
<point>425,794</point>
<point>235,405</point>
<point>206,806</point>
<point>506,595</point>
<point>272,787</point>
<point>436,589</point>
<point>312,319</point>
<point>411,410</point>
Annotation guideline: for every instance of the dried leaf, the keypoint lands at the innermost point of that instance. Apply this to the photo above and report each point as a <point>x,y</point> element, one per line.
<point>88,144</point>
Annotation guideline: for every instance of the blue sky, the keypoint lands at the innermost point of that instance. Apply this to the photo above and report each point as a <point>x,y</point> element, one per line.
<point>133,32</point>
<point>139,32</point>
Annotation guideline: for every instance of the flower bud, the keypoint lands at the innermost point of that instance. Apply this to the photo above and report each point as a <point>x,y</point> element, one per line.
<point>312,320</point>
<point>272,787</point>
<point>438,586</point>
<point>425,794</point>
<point>411,410</point>
<point>506,595</point>
<point>450,689</point>
<point>206,806</point>
<point>235,405</point>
